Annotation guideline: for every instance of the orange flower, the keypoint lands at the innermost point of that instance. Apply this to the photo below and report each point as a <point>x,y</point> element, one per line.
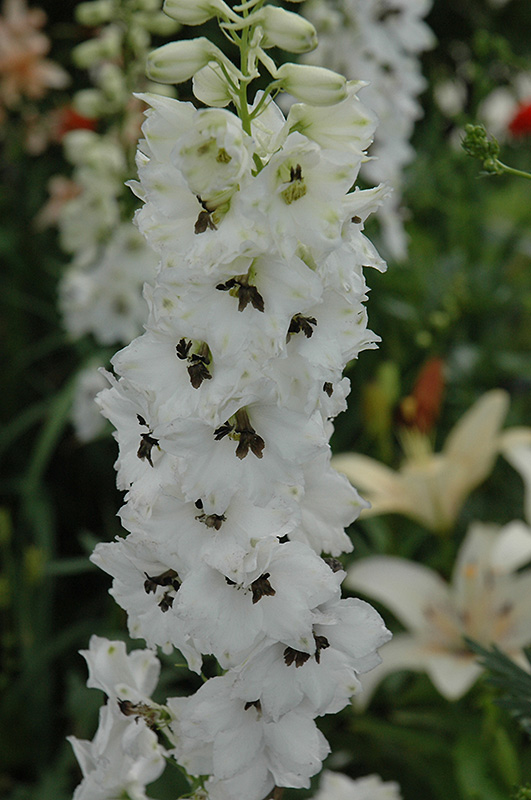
<point>422,407</point>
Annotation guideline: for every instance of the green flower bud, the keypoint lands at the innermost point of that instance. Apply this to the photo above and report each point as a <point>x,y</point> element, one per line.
<point>195,12</point>
<point>178,61</point>
<point>90,103</point>
<point>286,30</point>
<point>315,85</point>
<point>95,13</point>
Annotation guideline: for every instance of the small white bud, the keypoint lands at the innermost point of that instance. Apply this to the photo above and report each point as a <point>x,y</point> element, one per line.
<point>112,82</point>
<point>210,86</point>
<point>286,30</point>
<point>95,13</point>
<point>138,39</point>
<point>160,24</point>
<point>105,47</point>
<point>315,85</point>
<point>178,61</point>
<point>195,12</point>
<point>90,103</point>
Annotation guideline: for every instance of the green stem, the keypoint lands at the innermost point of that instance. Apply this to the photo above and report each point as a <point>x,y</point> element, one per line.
<point>512,171</point>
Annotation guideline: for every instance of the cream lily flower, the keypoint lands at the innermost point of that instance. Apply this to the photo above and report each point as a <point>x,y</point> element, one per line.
<point>432,487</point>
<point>515,445</point>
<point>485,601</point>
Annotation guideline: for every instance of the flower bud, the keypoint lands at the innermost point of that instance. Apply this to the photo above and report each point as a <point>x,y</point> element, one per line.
<point>107,46</point>
<point>159,23</point>
<point>178,61</point>
<point>112,82</point>
<point>315,85</point>
<point>286,30</point>
<point>95,13</point>
<point>90,103</point>
<point>211,88</point>
<point>195,12</point>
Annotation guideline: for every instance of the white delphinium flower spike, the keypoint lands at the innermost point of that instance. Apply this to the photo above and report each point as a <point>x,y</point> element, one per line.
<point>223,408</point>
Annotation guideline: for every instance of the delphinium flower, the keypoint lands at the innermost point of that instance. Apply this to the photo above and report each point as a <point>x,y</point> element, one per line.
<point>25,72</point>
<point>335,786</point>
<point>379,41</point>
<point>101,290</point>
<point>223,408</point>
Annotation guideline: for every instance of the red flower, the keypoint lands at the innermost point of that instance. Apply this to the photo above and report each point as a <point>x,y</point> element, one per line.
<point>520,125</point>
<point>68,119</point>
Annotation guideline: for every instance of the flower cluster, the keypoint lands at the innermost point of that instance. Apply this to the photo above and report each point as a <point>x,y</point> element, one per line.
<point>487,599</point>
<point>379,41</point>
<point>25,72</point>
<point>335,786</point>
<point>223,407</point>
<point>101,291</point>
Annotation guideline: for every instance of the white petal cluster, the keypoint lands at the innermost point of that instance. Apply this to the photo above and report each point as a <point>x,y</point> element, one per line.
<point>335,786</point>
<point>125,754</point>
<point>379,41</point>
<point>223,411</point>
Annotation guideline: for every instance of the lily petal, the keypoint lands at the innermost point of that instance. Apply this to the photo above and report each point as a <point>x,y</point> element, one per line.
<point>402,652</point>
<point>452,675</point>
<point>405,587</point>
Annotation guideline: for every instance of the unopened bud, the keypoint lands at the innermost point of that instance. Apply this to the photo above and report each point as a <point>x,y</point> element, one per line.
<point>210,86</point>
<point>90,103</point>
<point>105,47</point>
<point>315,85</point>
<point>178,61</point>
<point>286,30</point>
<point>195,12</point>
<point>95,13</point>
<point>112,82</point>
<point>160,24</point>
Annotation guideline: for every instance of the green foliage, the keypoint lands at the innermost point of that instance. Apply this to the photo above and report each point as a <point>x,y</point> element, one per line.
<point>513,681</point>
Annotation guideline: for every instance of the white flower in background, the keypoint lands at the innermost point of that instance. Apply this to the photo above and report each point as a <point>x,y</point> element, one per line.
<point>100,294</point>
<point>223,408</point>
<point>335,786</point>
<point>500,108</point>
<point>379,41</point>
<point>432,487</point>
<point>488,600</point>
<point>515,445</point>
<point>104,297</point>
<point>86,417</point>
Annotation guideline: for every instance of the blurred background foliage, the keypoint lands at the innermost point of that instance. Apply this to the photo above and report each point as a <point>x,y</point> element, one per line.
<point>463,295</point>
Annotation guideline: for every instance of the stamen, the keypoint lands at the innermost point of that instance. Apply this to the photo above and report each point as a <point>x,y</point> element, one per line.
<point>299,323</point>
<point>295,656</point>
<point>168,578</point>
<point>145,447</point>
<point>262,588</point>
<point>212,520</point>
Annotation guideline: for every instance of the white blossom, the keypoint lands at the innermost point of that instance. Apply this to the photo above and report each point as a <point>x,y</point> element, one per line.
<point>379,44</point>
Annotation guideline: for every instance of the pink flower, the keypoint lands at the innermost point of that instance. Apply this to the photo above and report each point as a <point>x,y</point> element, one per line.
<point>24,70</point>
